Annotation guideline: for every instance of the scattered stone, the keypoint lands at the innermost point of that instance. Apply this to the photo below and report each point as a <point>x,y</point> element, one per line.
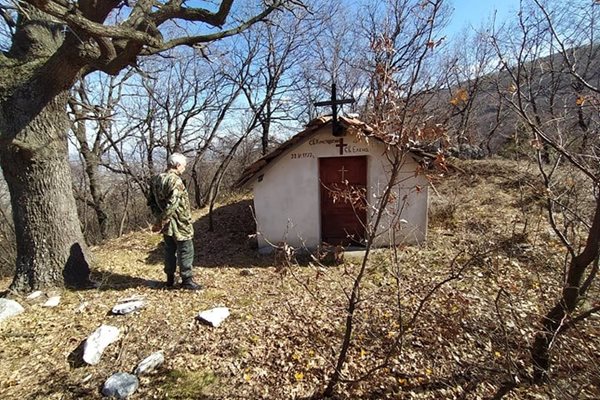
<point>35,295</point>
<point>81,307</point>
<point>126,308</point>
<point>52,302</point>
<point>246,272</point>
<point>149,363</point>
<point>9,308</point>
<point>467,152</point>
<point>120,385</point>
<point>97,342</point>
<point>214,316</point>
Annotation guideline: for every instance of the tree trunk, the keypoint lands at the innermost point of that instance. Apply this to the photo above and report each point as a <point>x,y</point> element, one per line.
<point>91,169</point>
<point>266,127</point>
<point>567,303</point>
<point>91,161</point>
<point>51,251</point>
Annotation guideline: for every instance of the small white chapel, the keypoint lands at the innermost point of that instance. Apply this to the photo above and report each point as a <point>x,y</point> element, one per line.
<point>317,188</point>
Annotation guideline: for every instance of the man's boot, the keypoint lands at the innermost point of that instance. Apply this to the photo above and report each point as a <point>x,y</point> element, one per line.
<point>188,283</point>
<point>170,281</point>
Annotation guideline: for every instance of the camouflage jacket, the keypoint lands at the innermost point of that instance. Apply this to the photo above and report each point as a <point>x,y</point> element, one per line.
<point>173,211</point>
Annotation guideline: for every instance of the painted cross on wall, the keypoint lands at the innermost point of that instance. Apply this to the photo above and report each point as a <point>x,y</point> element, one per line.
<point>343,171</point>
<point>341,145</point>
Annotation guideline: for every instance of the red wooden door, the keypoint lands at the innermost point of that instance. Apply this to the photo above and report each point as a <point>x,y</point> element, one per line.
<point>343,189</point>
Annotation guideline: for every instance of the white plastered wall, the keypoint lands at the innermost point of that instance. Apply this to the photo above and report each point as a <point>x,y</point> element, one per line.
<point>287,200</point>
<point>405,217</point>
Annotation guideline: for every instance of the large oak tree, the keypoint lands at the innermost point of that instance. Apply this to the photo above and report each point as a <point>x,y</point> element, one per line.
<point>51,44</point>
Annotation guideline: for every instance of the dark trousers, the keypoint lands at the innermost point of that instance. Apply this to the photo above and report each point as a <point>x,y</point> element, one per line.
<point>178,251</point>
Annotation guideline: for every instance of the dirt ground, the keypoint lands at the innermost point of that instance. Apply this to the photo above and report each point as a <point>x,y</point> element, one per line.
<point>472,297</point>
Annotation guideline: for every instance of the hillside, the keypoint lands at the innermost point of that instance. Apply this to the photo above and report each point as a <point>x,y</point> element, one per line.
<point>493,125</point>
<point>487,238</point>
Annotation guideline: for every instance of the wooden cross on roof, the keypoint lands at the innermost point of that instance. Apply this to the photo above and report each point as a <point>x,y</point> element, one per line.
<point>334,102</point>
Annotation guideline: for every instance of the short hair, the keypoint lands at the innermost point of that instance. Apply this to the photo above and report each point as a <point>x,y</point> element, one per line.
<point>176,159</point>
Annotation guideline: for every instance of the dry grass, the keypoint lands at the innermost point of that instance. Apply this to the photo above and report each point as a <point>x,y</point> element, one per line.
<point>286,324</point>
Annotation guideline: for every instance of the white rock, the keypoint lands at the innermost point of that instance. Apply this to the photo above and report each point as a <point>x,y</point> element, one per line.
<point>9,308</point>
<point>52,302</point>
<point>35,295</point>
<point>126,308</point>
<point>82,306</point>
<point>120,385</point>
<point>214,316</point>
<point>149,363</point>
<point>97,342</point>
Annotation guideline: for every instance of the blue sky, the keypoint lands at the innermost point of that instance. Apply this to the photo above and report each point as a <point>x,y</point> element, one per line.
<point>472,13</point>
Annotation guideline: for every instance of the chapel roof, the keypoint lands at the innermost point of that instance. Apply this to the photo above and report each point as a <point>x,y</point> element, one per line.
<point>351,125</point>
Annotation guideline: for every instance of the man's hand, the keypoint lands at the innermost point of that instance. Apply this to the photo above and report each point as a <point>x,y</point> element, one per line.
<point>157,227</point>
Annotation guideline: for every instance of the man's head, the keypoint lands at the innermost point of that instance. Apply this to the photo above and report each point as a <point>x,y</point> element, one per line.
<point>177,161</point>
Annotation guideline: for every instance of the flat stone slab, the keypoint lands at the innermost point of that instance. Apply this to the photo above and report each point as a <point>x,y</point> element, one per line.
<point>97,342</point>
<point>149,363</point>
<point>214,316</point>
<point>34,295</point>
<point>128,307</point>
<point>9,308</point>
<point>120,385</point>
<point>52,302</point>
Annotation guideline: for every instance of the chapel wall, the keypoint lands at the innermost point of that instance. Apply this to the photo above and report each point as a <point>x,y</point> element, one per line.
<point>287,202</point>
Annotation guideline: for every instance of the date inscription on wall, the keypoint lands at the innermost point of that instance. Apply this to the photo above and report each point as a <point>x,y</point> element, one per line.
<point>294,156</point>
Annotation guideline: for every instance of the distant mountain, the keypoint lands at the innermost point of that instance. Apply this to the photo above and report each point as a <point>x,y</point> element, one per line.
<point>551,96</point>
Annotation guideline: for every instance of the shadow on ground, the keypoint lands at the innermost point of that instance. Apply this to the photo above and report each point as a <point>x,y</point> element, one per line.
<point>111,281</point>
<point>227,245</point>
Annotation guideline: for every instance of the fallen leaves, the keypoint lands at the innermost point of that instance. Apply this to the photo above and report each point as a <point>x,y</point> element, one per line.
<point>284,333</point>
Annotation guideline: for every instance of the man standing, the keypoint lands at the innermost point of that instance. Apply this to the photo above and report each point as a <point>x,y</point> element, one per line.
<point>174,221</point>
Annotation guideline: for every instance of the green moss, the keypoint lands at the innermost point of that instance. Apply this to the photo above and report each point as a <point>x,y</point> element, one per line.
<point>179,384</point>
<point>14,72</point>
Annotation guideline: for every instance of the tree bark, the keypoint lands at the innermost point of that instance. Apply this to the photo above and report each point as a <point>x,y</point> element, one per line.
<point>91,169</point>
<point>51,251</point>
<point>35,76</point>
